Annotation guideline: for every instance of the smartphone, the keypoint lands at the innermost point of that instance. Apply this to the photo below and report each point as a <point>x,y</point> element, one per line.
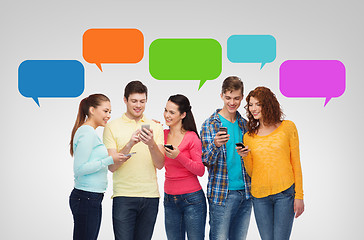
<point>223,129</point>
<point>129,154</point>
<point>147,126</point>
<point>169,146</point>
<point>240,144</point>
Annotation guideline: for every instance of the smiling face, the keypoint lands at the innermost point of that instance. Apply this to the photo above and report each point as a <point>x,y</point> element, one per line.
<point>232,100</point>
<point>101,114</point>
<point>135,105</point>
<point>255,108</point>
<point>172,115</point>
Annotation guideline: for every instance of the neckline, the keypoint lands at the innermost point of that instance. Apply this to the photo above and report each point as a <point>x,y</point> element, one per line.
<point>168,130</point>
<point>226,119</point>
<point>273,130</point>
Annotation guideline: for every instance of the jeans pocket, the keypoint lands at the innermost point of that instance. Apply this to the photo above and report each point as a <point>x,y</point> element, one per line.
<point>195,198</point>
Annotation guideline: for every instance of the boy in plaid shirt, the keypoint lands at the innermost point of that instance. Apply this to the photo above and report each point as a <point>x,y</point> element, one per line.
<point>228,189</point>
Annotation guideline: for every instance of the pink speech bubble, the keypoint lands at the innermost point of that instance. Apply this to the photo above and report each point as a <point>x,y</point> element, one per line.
<point>312,78</point>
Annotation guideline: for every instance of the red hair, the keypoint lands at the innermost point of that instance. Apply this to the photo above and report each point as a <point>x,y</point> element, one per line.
<point>271,109</point>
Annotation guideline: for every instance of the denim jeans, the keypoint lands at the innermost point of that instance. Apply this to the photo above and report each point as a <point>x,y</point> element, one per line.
<point>86,210</point>
<point>134,217</point>
<point>230,221</point>
<point>185,213</point>
<point>274,215</point>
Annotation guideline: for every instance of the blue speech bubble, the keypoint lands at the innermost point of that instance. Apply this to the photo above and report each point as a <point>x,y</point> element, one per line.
<point>251,49</point>
<point>51,78</point>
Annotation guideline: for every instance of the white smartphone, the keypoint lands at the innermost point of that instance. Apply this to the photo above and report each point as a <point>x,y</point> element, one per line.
<point>147,126</point>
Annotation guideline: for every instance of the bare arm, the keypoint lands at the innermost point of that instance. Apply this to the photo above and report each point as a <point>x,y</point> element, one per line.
<point>156,151</point>
<point>126,149</point>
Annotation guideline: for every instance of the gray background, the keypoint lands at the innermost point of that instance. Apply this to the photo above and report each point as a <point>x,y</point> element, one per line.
<point>36,171</point>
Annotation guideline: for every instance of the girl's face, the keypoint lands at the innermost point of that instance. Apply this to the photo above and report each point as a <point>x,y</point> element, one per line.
<point>255,108</point>
<point>101,114</point>
<point>172,114</point>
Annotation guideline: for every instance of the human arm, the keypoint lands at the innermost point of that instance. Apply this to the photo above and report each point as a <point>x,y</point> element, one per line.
<point>298,207</point>
<point>248,159</point>
<point>111,145</point>
<point>210,151</point>
<point>156,150</point>
<point>85,144</point>
<point>193,164</point>
<point>295,160</point>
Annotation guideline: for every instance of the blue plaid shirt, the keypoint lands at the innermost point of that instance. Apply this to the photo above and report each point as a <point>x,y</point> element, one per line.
<point>215,159</point>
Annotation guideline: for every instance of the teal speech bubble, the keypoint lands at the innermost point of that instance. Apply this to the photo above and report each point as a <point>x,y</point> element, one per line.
<point>251,49</point>
<point>185,59</point>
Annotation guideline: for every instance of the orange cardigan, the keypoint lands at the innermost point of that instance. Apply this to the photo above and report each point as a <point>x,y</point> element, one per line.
<point>274,161</point>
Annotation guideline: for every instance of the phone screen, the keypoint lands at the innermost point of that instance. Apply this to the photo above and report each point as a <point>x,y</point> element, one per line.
<point>169,146</point>
<point>223,129</point>
<point>240,145</point>
<point>147,126</point>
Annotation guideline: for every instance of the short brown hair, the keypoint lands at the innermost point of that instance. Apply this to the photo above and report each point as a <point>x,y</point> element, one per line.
<point>135,87</point>
<point>232,83</point>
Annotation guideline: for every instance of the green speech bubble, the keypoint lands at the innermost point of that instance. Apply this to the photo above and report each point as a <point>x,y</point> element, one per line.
<point>185,59</point>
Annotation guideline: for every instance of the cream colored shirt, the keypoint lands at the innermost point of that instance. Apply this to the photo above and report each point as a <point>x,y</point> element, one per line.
<point>137,176</point>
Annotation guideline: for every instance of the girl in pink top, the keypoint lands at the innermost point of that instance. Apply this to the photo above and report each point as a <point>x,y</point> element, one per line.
<point>184,200</point>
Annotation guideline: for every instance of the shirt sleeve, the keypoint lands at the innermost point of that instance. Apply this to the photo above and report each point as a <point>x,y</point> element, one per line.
<point>209,150</point>
<point>248,160</point>
<point>158,134</point>
<point>295,161</point>
<point>83,164</point>
<point>108,138</point>
<point>193,164</point>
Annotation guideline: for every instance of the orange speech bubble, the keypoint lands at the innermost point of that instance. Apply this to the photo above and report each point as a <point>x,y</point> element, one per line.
<point>113,46</point>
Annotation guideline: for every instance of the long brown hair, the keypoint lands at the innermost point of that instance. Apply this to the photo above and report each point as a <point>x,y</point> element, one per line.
<point>93,100</point>
<point>188,122</point>
<point>271,109</point>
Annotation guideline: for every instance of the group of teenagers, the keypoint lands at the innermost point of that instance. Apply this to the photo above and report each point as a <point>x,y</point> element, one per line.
<point>251,164</point>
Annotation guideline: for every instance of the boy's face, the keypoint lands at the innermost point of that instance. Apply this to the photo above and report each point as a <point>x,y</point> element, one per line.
<point>135,105</point>
<point>232,100</point>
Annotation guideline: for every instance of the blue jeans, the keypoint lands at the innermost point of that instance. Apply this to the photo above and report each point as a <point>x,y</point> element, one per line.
<point>232,220</point>
<point>274,215</point>
<point>86,210</point>
<point>134,217</point>
<point>185,213</point>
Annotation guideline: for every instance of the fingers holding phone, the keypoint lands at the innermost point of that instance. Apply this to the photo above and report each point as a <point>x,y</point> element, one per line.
<point>171,152</point>
<point>146,134</point>
<point>221,137</point>
<point>120,158</point>
<point>242,150</point>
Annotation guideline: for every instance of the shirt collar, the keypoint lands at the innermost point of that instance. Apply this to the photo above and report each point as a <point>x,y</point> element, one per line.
<point>126,119</point>
<point>215,116</point>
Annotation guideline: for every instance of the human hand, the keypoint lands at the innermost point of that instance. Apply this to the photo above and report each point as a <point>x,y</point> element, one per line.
<point>243,152</point>
<point>221,138</point>
<point>134,138</point>
<point>119,158</point>
<point>172,153</point>
<point>146,136</point>
<point>298,207</point>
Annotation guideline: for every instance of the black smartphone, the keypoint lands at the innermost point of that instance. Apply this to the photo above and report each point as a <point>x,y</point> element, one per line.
<point>240,145</point>
<point>169,146</point>
<point>223,129</point>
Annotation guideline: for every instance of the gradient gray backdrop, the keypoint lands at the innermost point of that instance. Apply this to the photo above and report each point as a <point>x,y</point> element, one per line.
<point>36,171</point>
